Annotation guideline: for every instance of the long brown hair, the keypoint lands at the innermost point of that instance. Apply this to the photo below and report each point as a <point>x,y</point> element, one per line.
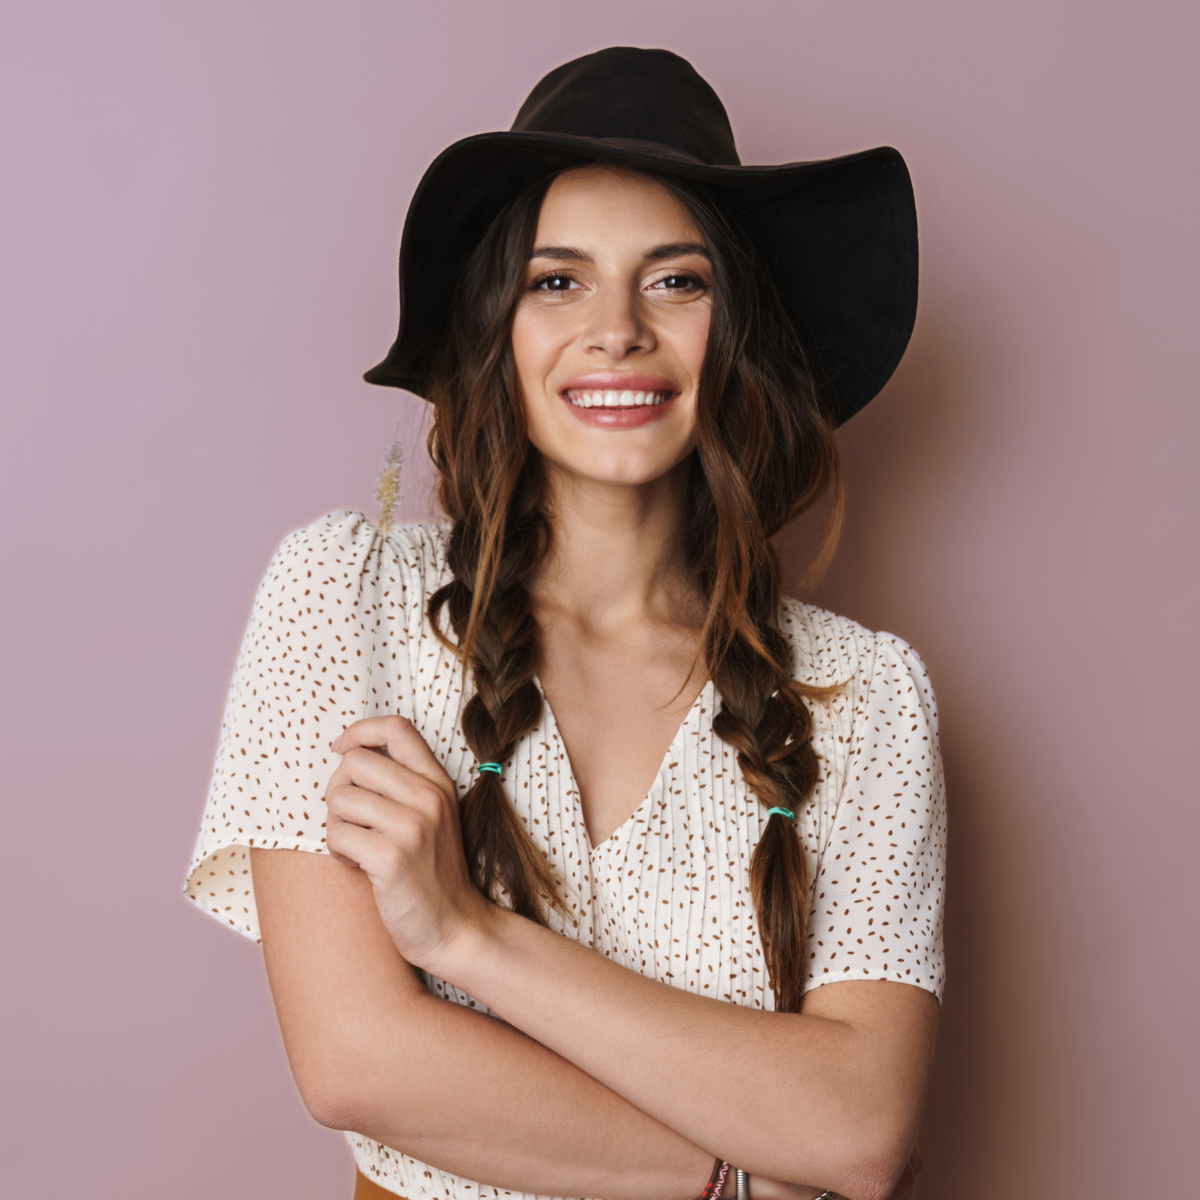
<point>765,452</point>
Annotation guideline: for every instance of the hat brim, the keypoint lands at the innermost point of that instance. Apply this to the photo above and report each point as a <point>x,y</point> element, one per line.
<point>840,236</point>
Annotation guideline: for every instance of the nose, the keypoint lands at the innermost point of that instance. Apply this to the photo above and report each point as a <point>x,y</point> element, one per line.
<point>616,328</point>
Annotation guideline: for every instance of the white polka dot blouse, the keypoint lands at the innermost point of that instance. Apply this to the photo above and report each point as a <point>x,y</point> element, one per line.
<point>667,894</point>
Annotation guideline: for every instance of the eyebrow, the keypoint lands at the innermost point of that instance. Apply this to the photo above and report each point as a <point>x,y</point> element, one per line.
<point>668,250</point>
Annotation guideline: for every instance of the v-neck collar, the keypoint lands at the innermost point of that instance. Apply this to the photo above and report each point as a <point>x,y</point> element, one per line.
<point>706,694</point>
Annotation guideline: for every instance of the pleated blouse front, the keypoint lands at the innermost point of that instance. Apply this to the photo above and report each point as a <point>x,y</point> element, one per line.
<point>667,894</point>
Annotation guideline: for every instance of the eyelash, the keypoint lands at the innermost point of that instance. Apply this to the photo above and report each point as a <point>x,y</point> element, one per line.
<point>536,285</point>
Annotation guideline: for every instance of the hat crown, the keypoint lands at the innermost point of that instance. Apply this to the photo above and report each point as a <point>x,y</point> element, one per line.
<point>628,94</point>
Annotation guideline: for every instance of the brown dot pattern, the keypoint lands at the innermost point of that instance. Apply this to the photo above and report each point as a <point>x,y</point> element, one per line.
<point>667,894</point>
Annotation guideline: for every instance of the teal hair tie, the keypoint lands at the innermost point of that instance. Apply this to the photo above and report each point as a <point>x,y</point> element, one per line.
<point>783,812</point>
<point>494,768</point>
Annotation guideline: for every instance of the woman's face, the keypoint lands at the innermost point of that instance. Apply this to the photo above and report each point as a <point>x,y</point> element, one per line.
<point>609,335</point>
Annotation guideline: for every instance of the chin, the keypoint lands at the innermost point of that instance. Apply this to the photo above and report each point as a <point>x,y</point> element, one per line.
<point>618,469</point>
<point>630,458</point>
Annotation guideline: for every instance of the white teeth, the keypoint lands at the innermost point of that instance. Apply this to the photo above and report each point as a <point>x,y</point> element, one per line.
<point>610,398</point>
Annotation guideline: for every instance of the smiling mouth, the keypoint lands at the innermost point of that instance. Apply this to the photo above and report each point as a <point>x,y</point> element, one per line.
<point>611,398</point>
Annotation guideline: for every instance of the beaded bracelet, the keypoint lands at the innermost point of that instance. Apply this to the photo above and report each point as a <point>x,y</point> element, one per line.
<point>716,1181</point>
<point>743,1182</point>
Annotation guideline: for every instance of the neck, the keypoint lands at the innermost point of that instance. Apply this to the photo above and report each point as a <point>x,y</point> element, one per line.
<point>616,554</point>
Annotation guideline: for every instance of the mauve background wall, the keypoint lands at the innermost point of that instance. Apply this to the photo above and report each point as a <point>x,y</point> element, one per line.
<point>200,211</point>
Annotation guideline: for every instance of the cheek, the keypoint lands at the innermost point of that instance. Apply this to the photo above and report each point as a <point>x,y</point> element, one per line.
<point>700,336</point>
<point>535,348</point>
<point>689,337</point>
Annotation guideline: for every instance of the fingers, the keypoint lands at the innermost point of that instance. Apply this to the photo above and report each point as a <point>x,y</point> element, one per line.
<point>373,831</point>
<point>356,846</point>
<point>396,817</point>
<point>360,806</point>
<point>392,782</point>
<point>403,743</point>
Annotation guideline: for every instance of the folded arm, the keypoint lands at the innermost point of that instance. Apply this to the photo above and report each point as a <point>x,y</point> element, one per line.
<point>372,1051</point>
<point>832,1094</point>
<point>613,1065</point>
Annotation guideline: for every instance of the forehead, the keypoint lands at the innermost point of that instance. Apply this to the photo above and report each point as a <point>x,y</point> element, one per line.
<point>599,204</point>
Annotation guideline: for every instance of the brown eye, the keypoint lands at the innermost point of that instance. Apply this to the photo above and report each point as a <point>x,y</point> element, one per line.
<point>679,283</point>
<point>553,283</point>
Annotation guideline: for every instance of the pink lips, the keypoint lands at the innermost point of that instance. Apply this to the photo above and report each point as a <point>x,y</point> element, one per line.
<point>600,381</point>
<point>626,415</point>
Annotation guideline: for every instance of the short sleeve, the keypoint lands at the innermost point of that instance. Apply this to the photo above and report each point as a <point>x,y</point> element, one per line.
<point>301,678</point>
<point>879,890</point>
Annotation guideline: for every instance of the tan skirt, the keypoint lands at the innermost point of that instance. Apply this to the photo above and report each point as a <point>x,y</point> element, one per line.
<point>366,1189</point>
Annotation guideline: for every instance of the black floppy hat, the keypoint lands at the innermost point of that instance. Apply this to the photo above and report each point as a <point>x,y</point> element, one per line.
<point>839,235</point>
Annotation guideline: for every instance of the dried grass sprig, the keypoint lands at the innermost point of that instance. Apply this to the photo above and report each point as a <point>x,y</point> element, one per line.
<point>387,493</point>
<point>387,489</point>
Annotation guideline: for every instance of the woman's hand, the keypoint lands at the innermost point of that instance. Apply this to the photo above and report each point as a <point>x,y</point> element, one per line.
<point>393,812</point>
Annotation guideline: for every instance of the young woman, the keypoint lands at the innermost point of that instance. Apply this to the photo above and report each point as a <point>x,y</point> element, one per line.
<point>633,868</point>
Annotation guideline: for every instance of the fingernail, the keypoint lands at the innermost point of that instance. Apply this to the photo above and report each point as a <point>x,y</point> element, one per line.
<point>337,741</point>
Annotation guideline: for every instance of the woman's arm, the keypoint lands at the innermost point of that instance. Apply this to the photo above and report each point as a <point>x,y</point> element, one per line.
<point>831,1095</point>
<point>372,1051</point>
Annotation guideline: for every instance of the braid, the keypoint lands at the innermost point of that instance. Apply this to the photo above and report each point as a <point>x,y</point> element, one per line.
<point>503,659</point>
<point>772,733</point>
<point>763,714</point>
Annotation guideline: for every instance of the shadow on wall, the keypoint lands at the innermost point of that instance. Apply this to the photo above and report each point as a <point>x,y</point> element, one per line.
<point>996,1118</point>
